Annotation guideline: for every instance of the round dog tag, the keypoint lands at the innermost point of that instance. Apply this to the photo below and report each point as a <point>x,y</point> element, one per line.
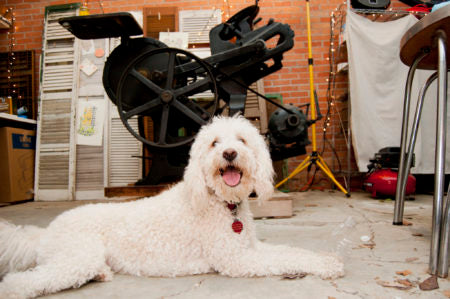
<point>237,226</point>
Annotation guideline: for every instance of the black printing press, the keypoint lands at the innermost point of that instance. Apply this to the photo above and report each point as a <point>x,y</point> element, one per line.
<point>179,92</point>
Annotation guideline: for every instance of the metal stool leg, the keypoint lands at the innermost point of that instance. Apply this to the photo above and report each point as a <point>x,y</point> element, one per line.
<point>400,191</point>
<point>414,129</point>
<point>439,173</point>
<point>445,232</point>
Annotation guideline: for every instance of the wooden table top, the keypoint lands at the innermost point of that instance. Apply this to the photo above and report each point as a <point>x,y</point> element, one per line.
<point>421,36</point>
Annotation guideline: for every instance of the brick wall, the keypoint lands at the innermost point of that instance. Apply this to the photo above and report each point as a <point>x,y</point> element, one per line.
<point>292,82</point>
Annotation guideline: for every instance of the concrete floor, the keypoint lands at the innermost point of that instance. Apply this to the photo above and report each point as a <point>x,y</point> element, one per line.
<point>358,228</point>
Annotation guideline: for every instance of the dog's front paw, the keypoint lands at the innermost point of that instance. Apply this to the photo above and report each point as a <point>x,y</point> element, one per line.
<point>332,267</point>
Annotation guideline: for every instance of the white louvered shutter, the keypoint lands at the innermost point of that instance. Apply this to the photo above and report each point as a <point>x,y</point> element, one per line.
<point>255,107</point>
<point>55,149</point>
<point>123,166</point>
<point>198,23</point>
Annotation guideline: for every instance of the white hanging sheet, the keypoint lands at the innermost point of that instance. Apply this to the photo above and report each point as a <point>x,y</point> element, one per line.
<point>377,82</point>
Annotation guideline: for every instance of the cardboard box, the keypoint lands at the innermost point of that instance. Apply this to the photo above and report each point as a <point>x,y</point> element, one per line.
<point>17,148</point>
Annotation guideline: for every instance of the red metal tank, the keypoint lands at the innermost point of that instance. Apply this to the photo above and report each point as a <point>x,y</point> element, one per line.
<point>383,182</point>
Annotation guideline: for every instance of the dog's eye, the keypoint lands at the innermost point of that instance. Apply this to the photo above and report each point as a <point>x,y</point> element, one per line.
<point>242,140</point>
<point>213,144</point>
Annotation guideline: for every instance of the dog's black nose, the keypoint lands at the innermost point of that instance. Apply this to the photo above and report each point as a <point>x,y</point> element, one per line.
<point>229,154</point>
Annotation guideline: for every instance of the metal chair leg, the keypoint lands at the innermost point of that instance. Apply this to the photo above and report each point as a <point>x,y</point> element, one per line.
<point>400,191</point>
<point>445,232</point>
<point>414,129</point>
<point>439,174</point>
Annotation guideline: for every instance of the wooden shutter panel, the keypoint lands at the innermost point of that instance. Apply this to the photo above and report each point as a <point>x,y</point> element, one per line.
<point>123,152</point>
<point>122,148</point>
<point>198,23</point>
<point>160,19</point>
<point>255,107</point>
<point>55,149</point>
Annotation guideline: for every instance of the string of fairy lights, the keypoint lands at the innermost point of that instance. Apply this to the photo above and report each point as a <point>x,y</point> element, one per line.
<point>84,10</point>
<point>12,91</point>
<point>226,7</point>
<point>337,25</point>
<point>337,19</point>
<point>225,13</point>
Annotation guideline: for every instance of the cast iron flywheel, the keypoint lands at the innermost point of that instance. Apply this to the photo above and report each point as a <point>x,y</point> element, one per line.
<point>174,88</point>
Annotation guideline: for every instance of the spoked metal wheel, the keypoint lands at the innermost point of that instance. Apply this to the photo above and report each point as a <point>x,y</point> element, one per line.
<point>121,57</point>
<point>174,88</point>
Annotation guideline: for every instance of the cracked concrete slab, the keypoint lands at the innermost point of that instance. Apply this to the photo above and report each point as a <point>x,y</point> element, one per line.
<point>358,228</point>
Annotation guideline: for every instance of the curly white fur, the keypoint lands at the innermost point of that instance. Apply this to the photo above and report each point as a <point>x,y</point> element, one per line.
<point>182,231</point>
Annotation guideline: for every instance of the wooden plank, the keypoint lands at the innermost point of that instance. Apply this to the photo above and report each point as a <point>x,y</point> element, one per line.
<point>263,118</point>
<point>280,205</point>
<point>134,190</point>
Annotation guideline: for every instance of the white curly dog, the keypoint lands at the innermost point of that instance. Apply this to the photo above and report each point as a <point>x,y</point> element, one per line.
<point>200,225</point>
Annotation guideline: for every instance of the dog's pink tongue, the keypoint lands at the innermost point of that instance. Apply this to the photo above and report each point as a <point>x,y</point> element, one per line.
<point>232,177</point>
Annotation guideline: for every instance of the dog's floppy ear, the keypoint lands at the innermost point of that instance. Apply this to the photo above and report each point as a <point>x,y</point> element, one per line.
<point>264,171</point>
<point>194,181</point>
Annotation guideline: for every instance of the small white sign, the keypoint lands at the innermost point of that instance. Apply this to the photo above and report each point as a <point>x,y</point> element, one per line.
<point>88,67</point>
<point>175,39</point>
